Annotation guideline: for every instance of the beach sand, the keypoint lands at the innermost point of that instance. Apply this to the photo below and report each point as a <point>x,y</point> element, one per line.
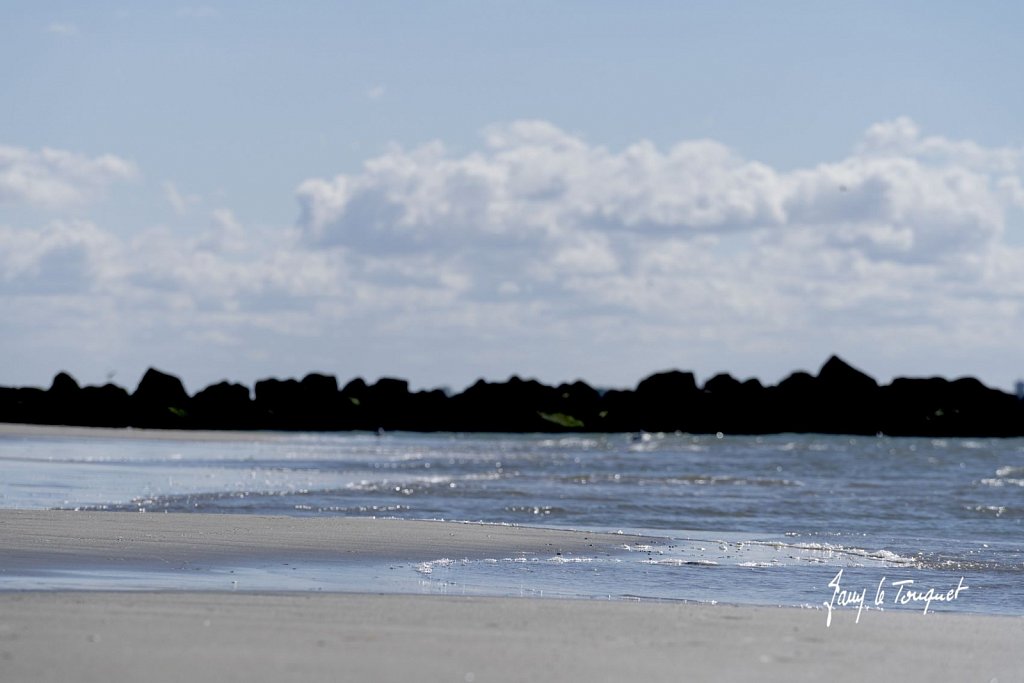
<point>16,429</point>
<point>339,637</point>
<point>236,636</point>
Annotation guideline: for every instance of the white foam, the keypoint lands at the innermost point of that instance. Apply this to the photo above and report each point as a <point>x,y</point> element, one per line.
<point>680,562</point>
<point>427,568</point>
<point>569,560</point>
<point>999,483</point>
<point>821,552</point>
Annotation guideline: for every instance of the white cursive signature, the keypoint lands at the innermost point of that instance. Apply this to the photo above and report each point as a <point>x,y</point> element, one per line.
<point>842,597</point>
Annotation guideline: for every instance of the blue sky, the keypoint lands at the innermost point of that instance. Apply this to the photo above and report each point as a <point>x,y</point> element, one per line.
<point>449,190</point>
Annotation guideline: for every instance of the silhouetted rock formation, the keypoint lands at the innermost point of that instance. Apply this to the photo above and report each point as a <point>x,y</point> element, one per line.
<point>514,406</point>
<point>838,400</point>
<point>937,407</point>
<point>224,406</point>
<point>160,402</point>
<point>734,407</point>
<point>312,404</point>
<point>667,402</point>
<point>104,406</point>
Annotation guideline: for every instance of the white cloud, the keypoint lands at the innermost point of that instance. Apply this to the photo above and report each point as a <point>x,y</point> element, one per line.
<point>692,244</point>
<point>376,92</point>
<point>54,178</point>
<point>64,257</point>
<point>542,253</point>
<point>899,196</point>
<point>901,137</point>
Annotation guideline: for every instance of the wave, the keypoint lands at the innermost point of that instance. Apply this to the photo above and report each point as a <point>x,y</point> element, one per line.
<point>687,480</point>
<point>1001,482</point>
<point>680,562</point>
<point>997,511</point>
<point>886,555</point>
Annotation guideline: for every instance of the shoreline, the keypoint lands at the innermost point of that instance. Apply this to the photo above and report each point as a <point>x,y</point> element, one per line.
<point>56,539</point>
<point>172,634</point>
<point>21,429</point>
<point>47,431</point>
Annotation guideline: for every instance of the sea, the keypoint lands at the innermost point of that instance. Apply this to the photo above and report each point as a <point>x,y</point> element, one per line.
<point>815,521</point>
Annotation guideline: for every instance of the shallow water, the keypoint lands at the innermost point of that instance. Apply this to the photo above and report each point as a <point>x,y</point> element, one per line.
<point>760,520</point>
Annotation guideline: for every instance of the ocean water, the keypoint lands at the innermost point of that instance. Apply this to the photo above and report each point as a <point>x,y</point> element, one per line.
<point>767,520</point>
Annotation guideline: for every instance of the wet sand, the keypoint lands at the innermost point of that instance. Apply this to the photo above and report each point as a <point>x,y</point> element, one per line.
<point>180,635</point>
<point>40,540</point>
<point>14,429</point>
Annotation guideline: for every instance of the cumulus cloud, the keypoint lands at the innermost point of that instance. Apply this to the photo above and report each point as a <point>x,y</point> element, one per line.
<point>54,178</point>
<point>543,253</point>
<point>691,244</point>
<point>901,137</point>
<point>570,206</point>
<point>62,257</point>
<point>898,195</point>
<point>534,181</point>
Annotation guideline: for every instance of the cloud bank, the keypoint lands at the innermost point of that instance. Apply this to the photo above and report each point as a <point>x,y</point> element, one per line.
<point>899,196</point>
<point>53,178</point>
<point>543,253</point>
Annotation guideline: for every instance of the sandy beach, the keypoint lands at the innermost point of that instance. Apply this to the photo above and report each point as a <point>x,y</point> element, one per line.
<point>240,636</point>
<point>57,539</point>
<point>15,429</point>
<point>237,637</point>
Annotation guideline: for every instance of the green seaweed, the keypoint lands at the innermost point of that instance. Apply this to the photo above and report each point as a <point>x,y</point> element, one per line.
<point>562,420</point>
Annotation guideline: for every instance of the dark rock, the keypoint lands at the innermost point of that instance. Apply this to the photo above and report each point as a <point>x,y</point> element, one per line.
<point>160,402</point>
<point>312,404</point>
<point>514,406</point>
<point>839,378</point>
<point>576,406</point>
<point>840,399</point>
<point>723,385</point>
<point>387,404</point>
<point>389,389</point>
<point>354,399</point>
<point>733,407</point>
<point>617,411</point>
<point>792,403</point>
<point>63,402</point>
<point>428,411</point>
<point>847,400</point>
<point>667,402</point>
<point>225,406</point>
<point>23,404</point>
<point>322,402</point>
<point>319,388</point>
<point>937,407</point>
<point>105,406</point>
<point>64,386</point>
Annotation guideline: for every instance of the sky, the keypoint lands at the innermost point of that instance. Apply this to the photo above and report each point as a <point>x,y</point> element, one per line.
<point>450,190</point>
